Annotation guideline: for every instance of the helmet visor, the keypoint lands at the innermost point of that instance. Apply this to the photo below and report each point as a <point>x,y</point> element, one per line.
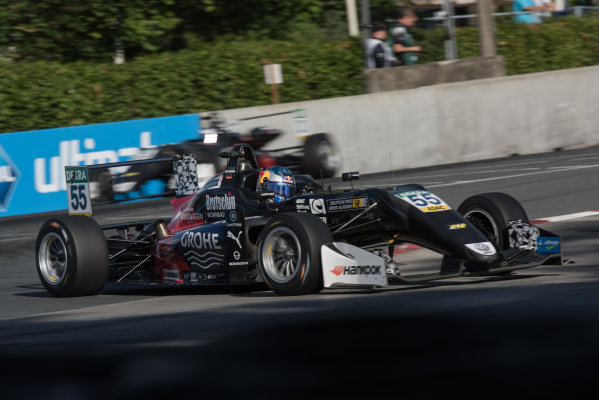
<point>283,190</point>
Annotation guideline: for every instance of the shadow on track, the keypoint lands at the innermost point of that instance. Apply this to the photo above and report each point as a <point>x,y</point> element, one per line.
<point>465,354</point>
<point>261,290</point>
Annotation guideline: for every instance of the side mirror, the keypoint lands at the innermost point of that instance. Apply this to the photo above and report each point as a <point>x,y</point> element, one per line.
<point>350,176</point>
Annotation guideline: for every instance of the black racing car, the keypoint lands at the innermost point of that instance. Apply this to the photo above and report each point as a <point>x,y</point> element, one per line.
<point>229,233</point>
<point>316,156</point>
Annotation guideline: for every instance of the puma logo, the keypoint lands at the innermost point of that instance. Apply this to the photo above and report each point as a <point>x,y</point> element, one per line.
<point>235,238</point>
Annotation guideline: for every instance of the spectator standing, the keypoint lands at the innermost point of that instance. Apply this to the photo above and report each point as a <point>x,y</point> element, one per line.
<point>549,6</point>
<point>401,39</point>
<point>378,52</point>
<point>530,5</point>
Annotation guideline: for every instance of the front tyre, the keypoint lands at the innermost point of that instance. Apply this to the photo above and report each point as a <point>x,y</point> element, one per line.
<point>72,256</point>
<point>289,253</point>
<point>490,213</point>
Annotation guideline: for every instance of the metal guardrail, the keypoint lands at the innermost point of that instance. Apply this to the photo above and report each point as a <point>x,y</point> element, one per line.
<point>467,16</point>
<point>577,11</point>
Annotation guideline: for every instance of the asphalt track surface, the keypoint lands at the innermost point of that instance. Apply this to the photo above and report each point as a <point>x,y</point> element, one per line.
<point>531,334</point>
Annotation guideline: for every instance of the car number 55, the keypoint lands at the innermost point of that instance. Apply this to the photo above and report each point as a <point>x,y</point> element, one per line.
<point>78,191</point>
<point>78,197</point>
<point>424,201</point>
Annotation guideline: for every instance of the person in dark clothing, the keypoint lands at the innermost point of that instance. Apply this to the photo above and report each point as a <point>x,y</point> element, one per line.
<point>401,39</point>
<point>378,52</point>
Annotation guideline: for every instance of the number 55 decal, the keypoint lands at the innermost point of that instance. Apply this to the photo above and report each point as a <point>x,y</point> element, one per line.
<point>78,191</point>
<point>424,201</point>
<point>78,197</point>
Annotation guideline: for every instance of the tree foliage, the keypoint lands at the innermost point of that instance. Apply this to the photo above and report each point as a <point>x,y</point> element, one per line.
<point>42,94</point>
<point>69,30</point>
<point>557,43</point>
<point>72,30</point>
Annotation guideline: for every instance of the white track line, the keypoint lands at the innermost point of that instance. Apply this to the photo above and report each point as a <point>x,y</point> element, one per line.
<point>15,236</point>
<point>563,169</point>
<point>507,169</point>
<point>515,164</point>
<point>465,172</point>
<point>566,217</point>
<point>585,158</point>
<point>15,239</point>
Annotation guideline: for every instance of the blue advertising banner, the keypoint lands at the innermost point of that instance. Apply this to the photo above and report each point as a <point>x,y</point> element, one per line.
<point>32,163</point>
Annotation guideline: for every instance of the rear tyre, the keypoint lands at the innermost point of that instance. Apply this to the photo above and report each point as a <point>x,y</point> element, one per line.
<point>490,213</point>
<point>72,256</point>
<point>320,156</point>
<point>289,253</point>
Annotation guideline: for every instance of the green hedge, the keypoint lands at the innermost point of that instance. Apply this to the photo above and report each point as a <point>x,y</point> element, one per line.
<point>557,43</point>
<point>228,74</point>
<point>36,95</point>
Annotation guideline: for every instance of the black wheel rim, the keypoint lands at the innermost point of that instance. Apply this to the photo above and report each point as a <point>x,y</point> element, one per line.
<point>485,223</point>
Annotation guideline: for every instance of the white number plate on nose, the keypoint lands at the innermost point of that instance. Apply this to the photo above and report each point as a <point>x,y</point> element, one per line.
<point>424,201</point>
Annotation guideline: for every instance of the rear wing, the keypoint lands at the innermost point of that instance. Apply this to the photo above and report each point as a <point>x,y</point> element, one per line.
<point>80,196</point>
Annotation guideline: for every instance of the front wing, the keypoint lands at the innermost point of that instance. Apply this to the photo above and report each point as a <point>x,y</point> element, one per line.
<point>344,264</point>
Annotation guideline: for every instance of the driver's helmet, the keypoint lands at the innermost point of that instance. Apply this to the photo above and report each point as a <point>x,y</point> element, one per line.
<point>278,180</point>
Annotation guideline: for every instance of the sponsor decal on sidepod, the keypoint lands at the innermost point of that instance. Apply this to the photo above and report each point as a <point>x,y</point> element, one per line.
<point>171,274</point>
<point>200,240</point>
<point>220,203</point>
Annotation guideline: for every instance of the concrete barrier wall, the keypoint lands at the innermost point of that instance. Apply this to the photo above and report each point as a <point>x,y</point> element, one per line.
<point>450,123</point>
<point>434,73</point>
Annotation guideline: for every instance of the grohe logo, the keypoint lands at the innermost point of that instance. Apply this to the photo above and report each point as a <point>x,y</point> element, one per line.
<point>9,176</point>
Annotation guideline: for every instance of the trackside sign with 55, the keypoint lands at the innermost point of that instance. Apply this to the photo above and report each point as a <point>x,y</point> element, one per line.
<point>78,191</point>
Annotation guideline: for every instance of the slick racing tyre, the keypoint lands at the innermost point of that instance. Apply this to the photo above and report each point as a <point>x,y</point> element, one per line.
<point>72,256</point>
<point>320,156</point>
<point>289,253</point>
<point>490,213</point>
